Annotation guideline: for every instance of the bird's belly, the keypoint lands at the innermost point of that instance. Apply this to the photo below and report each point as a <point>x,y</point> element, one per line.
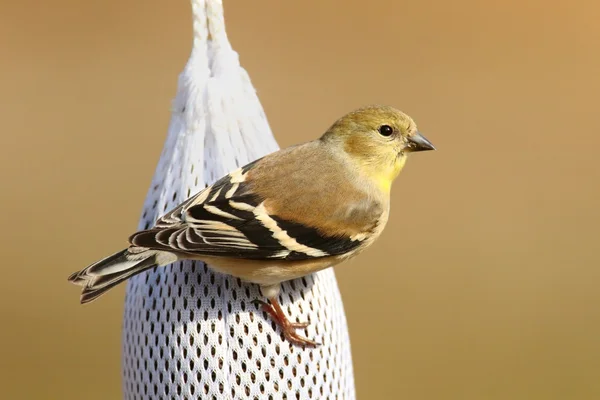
<point>269,272</point>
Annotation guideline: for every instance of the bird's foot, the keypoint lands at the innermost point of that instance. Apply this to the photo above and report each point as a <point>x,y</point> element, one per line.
<point>289,328</point>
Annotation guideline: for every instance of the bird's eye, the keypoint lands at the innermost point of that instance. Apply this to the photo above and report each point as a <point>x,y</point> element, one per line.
<point>386,130</point>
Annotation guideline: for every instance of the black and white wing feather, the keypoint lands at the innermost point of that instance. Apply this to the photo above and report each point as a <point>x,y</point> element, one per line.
<point>228,219</point>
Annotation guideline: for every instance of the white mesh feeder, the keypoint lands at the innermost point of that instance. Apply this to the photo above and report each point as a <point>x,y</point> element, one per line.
<point>188,332</point>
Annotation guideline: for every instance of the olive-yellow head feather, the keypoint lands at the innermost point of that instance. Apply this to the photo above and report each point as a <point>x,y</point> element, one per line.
<point>378,138</point>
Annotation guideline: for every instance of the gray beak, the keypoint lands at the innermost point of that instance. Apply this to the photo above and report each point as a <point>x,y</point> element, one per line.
<point>417,142</point>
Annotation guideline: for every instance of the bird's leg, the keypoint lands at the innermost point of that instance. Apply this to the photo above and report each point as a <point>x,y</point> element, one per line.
<point>273,308</point>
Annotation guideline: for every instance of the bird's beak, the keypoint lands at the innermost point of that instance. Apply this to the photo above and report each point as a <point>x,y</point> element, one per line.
<point>417,142</point>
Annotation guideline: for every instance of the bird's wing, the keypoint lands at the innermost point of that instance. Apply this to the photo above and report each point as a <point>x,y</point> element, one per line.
<point>231,219</point>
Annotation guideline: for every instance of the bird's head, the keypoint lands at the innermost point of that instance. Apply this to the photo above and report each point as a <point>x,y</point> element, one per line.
<point>379,139</point>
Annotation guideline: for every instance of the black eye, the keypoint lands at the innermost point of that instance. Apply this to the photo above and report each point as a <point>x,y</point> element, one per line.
<point>386,130</point>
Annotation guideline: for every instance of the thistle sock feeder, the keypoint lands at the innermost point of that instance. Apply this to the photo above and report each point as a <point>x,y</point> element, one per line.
<point>188,332</point>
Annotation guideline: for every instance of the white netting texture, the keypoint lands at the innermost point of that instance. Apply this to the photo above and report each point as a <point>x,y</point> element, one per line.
<point>190,333</point>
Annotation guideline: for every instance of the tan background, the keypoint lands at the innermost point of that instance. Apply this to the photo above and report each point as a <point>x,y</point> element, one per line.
<point>484,286</point>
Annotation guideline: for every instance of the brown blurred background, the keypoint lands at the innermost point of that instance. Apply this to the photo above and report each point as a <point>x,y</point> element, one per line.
<point>485,284</point>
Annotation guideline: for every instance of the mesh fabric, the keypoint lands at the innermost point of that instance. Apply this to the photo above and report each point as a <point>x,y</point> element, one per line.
<point>188,332</point>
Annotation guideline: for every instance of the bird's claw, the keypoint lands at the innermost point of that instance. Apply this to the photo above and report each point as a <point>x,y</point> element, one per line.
<point>299,325</point>
<point>293,337</point>
<point>288,327</point>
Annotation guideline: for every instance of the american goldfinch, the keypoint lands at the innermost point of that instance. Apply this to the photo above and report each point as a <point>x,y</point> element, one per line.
<point>291,213</point>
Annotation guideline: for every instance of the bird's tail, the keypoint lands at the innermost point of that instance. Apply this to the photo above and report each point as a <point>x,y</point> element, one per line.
<point>103,275</point>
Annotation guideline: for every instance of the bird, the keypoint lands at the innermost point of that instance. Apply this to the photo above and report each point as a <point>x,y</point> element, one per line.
<point>288,214</point>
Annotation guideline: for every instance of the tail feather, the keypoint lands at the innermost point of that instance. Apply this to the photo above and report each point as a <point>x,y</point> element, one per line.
<point>111,262</point>
<point>103,275</point>
<point>107,282</point>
